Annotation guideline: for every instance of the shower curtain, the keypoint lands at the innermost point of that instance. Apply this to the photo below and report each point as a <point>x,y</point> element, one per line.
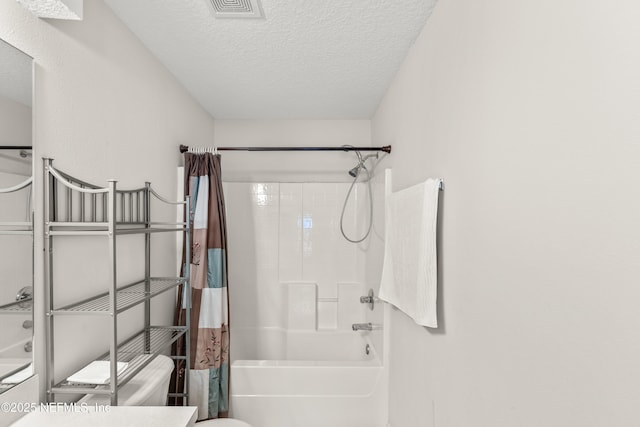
<point>209,346</point>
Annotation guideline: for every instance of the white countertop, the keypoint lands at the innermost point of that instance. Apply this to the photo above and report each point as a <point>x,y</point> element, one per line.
<point>114,416</point>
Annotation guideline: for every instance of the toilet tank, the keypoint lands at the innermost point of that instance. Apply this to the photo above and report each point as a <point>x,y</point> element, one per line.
<point>149,387</point>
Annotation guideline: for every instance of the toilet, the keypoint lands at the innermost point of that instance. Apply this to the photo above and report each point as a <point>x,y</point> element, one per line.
<point>149,387</point>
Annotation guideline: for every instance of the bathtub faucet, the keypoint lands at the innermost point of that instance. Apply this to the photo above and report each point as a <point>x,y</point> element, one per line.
<point>365,327</point>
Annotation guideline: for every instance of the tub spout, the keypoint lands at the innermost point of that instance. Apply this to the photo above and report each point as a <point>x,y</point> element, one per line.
<point>365,327</point>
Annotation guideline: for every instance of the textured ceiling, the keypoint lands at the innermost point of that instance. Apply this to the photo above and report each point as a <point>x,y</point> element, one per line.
<point>312,59</point>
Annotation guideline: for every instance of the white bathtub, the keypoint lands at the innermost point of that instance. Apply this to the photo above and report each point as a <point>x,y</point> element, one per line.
<point>10,366</point>
<point>12,372</point>
<point>13,358</point>
<point>327,380</point>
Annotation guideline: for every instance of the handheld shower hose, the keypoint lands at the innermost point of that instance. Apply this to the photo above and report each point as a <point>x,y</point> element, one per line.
<point>355,172</point>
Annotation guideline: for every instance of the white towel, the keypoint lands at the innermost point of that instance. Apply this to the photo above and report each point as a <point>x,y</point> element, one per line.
<point>409,273</point>
<point>97,372</point>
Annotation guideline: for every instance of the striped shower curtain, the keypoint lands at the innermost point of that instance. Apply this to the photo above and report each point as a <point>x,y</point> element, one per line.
<point>209,346</point>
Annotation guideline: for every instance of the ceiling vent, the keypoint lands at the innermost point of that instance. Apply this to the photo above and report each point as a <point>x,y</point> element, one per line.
<point>236,8</point>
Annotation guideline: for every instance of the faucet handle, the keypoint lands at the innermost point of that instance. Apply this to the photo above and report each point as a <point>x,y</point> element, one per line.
<point>24,293</point>
<point>25,296</point>
<point>369,299</point>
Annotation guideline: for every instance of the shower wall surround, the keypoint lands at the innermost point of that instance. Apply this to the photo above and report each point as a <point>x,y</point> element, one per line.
<point>289,266</point>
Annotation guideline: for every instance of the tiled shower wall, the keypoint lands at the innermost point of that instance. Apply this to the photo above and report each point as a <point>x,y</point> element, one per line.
<point>289,266</point>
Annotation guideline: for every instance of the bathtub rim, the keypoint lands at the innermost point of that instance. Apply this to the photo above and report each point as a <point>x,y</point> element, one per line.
<point>271,363</point>
<point>366,339</point>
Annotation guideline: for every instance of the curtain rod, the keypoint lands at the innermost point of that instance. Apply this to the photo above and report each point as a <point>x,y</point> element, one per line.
<point>16,147</point>
<point>386,148</point>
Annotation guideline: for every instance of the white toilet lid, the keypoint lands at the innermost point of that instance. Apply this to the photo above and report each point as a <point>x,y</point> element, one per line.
<point>223,422</point>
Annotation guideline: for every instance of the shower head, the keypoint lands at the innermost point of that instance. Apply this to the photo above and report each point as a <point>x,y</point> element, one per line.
<point>356,170</point>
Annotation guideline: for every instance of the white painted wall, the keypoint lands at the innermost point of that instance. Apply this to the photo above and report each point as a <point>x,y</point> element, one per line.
<point>104,108</point>
<point>530,112</point>
<point>15,123</point>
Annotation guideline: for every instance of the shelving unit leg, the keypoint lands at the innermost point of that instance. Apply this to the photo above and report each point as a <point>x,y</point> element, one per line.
<point>113,283</point>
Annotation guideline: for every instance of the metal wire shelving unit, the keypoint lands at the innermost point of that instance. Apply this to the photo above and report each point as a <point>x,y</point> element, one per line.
<point>76,208</point>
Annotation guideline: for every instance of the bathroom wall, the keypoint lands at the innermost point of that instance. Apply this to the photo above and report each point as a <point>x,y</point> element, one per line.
<point>15,122</point>
<point>104,108</point>
<point>529,111</point>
